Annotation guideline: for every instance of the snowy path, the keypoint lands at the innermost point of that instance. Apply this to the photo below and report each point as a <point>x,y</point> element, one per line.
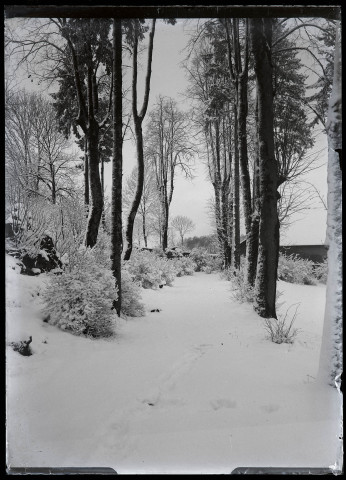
<point>194,388</point>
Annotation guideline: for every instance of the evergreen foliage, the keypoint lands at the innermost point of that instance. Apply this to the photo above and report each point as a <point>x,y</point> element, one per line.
<point>80,299</point>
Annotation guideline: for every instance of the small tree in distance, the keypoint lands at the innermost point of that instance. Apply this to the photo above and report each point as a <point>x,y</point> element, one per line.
<point>183,225</point>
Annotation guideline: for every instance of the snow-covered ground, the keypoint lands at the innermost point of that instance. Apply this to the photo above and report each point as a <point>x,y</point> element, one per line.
<point>194,388</point>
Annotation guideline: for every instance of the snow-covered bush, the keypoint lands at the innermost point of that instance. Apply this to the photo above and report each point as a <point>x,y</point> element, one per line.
<point>185,266</point>
<point>293,269</point>
<point>321,271</point>
<point>151,270</point>
<point>241,291</point>
<point>205,261</point>
<point>168,270</point>
<point>80,299</point>
<point>281,330</point>
<point>143,266</point>
<point>130,296</point>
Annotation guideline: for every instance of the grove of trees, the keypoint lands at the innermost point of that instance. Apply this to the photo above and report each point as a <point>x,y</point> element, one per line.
<point>251,122</point>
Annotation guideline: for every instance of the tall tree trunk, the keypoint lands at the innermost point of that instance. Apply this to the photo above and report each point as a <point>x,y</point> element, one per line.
<point>103,218</point>
<point>139,189</point>
<point>138,120</point>
<point>227,250</point>
<point>252,237</point>
<point>331,350</point>
<point>230,221</point>
<point>268,250</point>
<point>236,195</point>
<point>218,216</point>
<point>96,206</point>
<point>117,167</point>
<point>243,153</point>
<point>164,225</point>
<point>86,174</point>
<point>145,236</point>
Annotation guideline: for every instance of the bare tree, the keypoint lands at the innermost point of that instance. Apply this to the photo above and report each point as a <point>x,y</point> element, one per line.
<point>38,156</point>
<point>138,118</point>
<point>69,50</point>
<point>168,147</point>
<point>183,225</point>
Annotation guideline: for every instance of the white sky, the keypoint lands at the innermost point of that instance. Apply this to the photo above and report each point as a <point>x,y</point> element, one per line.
<point>190,197</point>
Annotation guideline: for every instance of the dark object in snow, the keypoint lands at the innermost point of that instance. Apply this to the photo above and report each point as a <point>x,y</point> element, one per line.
<point>46,318</point>
<point>22,347</point>
<point>151,404</point>
<point>145,249</point>
<point>46,260</point>
<point>160,286</point>
<point>9,233</point>
<point>156,310</point>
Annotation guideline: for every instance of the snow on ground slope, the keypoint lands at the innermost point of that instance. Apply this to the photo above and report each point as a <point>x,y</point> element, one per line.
<point>194,388</point>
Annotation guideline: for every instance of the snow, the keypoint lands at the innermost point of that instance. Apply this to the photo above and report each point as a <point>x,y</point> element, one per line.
<point>194,388</point>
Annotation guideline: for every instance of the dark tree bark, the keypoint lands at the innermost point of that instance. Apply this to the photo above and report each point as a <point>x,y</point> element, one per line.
<point>86,174</point>
<point>236,197</point>
<point>117,167</point>
<point>87,108</point>
<point>238,69</point>
<point>138,120</point>
<point>268,250</point>
<point>96,206</point>
<point>241,72</point>
<point>252,237</point>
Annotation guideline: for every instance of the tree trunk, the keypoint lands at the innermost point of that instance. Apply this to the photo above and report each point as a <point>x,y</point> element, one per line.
<point>268,250</point>
<point>86,174</point>
<point>331,350</point>
<point>218,216</point>
<point>164,223</point>
<point>252,236</point>
<point>139,189</point>
<point>117,167</point>
<point>243,153</point>
<point>236,209</point>
<point>138,120</point>
<point>96,207</point>
<point>227,250</point>
<point>103,218</point>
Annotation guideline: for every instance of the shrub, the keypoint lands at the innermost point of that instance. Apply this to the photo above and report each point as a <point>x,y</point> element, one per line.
<point>321,271</point>
<point>293,269</point>
<point>80,300</point>
<point>205,261</point>
<point>151,270</point>
<point>185,266</point>
<point>281,330</point>
<point>131,305</point>
<point>130,296</point>
<point>241,291</point>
